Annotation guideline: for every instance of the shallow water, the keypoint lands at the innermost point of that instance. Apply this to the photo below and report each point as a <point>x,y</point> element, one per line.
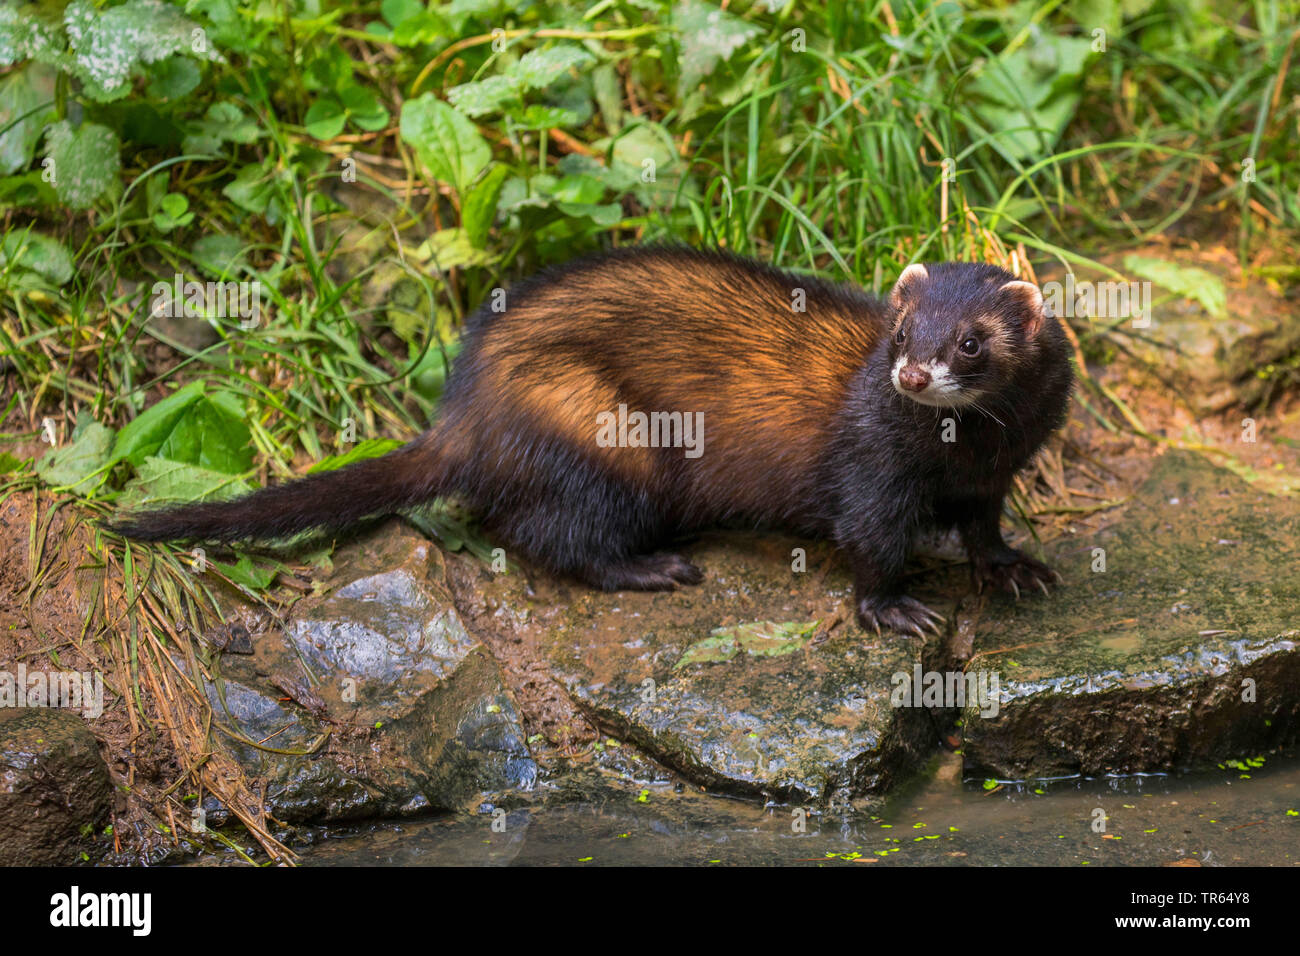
<point>1215,819</point>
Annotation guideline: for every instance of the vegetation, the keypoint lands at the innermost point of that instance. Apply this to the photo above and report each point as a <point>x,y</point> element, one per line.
<point>369,173</point>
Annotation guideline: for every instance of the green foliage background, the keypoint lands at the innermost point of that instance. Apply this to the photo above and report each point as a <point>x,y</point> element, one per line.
<point>378,169</point>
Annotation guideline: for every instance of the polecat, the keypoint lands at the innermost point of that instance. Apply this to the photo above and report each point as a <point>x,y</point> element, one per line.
<point>823,410</point>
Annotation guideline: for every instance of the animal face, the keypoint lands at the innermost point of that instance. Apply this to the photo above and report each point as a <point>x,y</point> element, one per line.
<point>961,332</point>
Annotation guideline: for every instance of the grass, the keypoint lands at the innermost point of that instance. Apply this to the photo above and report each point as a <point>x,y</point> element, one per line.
<point>841,139</point>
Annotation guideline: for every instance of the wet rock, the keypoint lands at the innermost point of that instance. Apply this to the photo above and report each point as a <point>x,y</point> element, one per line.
<point>1216,358</point>
<point>54,787</point>
<point>767,709</point>
<point>374,701</point>
<point>1184,651</point>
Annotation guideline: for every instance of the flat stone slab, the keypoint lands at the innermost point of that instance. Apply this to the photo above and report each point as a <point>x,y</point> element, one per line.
<point>724,683</point>
<point>1184,651</point>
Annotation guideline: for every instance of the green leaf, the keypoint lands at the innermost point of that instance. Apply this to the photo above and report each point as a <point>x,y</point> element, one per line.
<point>223,122</point>
<point>218,255</point>
<point>602,214</point>
<point>24,36</point>
<point>760,639</point>
<point>364,109</point>
<point>173,213</point>
<point>707,37</point>
<point>33,252</point>
<point>9,464</point>
<point>422,28</point>
<point>86,161</point>
<point>248,574</point>
<point>448,248</point>
<point>480,97</point>
<point>108,45</point>
<point>370,448</point>
<point>210,436</point>
<point>325,118</point>
<point>72,465</point>
<point>540,68</point>
<point>173,78</point>
<point>1031,94</point>
<point>480,209</point>
<point>445,140</point>
<point>537,116</point>
<point>253,189</point>
<point>159,481</point>
<point>395,11</point>
<point>21,92</point>
<point>1205,287</point>
<point>145,434</point>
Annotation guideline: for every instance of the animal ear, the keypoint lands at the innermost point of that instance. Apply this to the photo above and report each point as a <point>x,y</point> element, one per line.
<point>911,277</point>
<point>1031,298</point>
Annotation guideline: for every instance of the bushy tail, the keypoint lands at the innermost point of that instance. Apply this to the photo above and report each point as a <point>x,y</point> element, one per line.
<point>330,500</point>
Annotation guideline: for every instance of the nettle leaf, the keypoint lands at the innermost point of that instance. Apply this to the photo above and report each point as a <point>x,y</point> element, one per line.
<point>34,253</point>
<point>159,481</point>
<point>207,435</point>
<point>108,46</point>
<point>26,37</point>
<point>480,97</point>
<point>708,36</point>
<point>21,92</point>
<point>370,448</point>
<point>86,161</point>
<point>73,465</point>
<point>541,68</point>
<point>190,427</point>
<point>445,140</point>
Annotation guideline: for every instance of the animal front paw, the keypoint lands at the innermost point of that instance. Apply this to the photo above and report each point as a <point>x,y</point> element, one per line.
<point>1013,572</point>
<point>897,612</point>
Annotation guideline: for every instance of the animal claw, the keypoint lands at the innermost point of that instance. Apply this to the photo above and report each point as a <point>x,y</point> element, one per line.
<point>1057,574</point>
<point>1015,587</point>
<point>1043,587</point>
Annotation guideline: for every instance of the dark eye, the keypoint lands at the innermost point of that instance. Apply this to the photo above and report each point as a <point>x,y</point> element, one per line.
<point>971,346</point>
<point>900,335</point>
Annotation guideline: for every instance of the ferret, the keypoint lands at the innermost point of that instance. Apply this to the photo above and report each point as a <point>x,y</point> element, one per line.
<point>810,406</point>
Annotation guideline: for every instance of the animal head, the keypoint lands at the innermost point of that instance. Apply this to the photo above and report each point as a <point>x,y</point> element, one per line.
<point>961,331</point>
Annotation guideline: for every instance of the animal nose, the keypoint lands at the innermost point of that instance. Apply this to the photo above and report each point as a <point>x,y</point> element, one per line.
<point>913,378</point>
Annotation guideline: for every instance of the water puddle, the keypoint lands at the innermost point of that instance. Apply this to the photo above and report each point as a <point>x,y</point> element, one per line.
<point>1215,819</point>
